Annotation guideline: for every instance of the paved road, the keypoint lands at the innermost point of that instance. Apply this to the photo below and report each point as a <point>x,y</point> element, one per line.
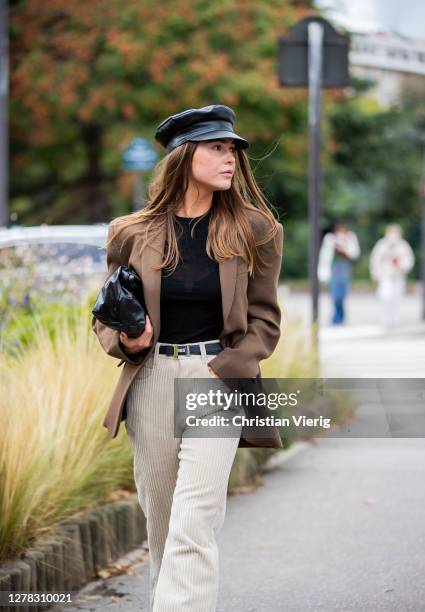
<point>361,347</point>
<point>339,527</point>
<point>361,307</point>
<point>366,351</point>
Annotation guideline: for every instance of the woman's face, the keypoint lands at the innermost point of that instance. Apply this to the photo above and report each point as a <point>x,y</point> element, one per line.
<point>213,164</point>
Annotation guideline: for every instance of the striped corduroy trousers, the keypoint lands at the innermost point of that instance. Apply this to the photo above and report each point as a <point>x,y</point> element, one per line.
<point>181,484</point>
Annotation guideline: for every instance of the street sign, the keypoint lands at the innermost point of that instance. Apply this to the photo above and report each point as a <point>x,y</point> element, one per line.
<point>139,156</point>
<point>293,56</point>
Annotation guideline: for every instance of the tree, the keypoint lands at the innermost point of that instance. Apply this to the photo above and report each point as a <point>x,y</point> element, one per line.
<point>88,76</point>
<point>372,177</point>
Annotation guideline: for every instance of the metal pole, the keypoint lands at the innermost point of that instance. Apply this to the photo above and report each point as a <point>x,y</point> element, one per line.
<point>139,192</point>
<point>423,242</point>
<point>315,50</point>
<point>4,98</point>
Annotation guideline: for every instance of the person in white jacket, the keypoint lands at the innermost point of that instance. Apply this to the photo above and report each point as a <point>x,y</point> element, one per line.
<point>390,261</point>
<point>337,251</point>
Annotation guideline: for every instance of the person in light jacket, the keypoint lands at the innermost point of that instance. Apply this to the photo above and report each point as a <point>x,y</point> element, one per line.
<point>208,250</point>
<point>338,249</point>
<point>390,261</point>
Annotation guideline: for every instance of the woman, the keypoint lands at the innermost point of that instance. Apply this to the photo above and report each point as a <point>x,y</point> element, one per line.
<point>211,314</point>
<point>390,262</point>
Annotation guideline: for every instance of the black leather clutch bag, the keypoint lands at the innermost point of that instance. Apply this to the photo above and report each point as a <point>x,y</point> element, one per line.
<point>121,304</point>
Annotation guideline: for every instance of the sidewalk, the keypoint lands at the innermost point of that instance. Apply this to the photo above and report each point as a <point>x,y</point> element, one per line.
<point>361,308</point>
<point>339,526</point>
<point>361,347</point>
<point>367,351</point>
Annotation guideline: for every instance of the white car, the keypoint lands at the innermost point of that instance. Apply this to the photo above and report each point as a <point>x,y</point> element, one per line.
<point>51,260</point>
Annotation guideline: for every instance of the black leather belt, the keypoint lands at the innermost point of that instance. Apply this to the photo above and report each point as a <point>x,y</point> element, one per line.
<point>174,350</point>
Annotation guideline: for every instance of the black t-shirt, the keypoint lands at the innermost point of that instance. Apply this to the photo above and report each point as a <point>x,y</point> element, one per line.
<point>191,306</point>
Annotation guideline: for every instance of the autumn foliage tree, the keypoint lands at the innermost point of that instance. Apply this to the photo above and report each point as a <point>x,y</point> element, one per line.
<point>88,76</point>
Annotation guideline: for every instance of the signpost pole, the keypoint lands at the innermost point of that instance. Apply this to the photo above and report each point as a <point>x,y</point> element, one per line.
<point>314,55</point>
<point>423,241</point>
<point>315,51</point>
<point>139,192</point>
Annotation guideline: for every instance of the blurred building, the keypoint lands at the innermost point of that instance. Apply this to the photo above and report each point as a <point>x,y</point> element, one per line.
<point>388,59</point>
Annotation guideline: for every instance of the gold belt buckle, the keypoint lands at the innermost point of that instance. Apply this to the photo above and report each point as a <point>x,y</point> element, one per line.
<point>183,349</point>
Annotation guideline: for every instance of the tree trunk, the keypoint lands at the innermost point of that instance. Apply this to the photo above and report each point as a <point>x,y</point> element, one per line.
<point>93,193</point>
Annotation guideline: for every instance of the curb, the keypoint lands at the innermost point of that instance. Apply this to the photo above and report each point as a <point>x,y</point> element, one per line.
<point>80,547</point>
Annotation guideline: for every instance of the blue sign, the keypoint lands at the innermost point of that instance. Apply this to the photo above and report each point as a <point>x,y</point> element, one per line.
<point>139,156</point>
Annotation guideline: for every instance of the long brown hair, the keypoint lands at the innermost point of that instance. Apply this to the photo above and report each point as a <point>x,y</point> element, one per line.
<point>230,232</point>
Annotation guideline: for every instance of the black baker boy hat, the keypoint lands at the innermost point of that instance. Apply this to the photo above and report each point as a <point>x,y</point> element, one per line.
<point>207,123</point>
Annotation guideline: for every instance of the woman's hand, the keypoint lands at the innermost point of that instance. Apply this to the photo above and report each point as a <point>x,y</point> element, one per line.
<point>135,345</point>
<point>211,371</point>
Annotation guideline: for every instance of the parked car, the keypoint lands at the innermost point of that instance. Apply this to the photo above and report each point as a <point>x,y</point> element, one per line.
<point>51,260</point>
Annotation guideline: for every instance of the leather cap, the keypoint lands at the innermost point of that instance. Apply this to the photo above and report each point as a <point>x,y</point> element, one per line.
<point>195,124</point>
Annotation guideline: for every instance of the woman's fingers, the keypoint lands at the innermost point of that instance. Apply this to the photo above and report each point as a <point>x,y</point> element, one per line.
<point>148,327</point>
<point>148,331</point>
<point>143,341</point>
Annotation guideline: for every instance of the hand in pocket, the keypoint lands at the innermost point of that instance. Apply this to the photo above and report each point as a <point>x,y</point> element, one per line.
<point>213,374</point>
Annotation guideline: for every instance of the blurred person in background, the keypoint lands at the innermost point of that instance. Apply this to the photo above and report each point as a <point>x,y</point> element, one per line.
<point>339,247</point>
<point>390,261</point>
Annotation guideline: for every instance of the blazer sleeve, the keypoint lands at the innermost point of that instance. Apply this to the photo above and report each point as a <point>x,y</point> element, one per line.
<point>108,337</point>
<point>264,318</point>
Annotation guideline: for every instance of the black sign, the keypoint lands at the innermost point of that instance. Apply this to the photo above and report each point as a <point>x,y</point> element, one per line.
<point>293,56</point>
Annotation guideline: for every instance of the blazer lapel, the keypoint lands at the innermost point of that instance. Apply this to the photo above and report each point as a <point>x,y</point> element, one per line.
<point>152,257</point>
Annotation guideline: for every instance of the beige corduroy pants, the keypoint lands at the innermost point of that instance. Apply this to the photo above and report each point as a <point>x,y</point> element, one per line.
<point>181,484</point>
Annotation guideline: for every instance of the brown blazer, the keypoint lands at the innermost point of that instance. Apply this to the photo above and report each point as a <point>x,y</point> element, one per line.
<point>251,318</point>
